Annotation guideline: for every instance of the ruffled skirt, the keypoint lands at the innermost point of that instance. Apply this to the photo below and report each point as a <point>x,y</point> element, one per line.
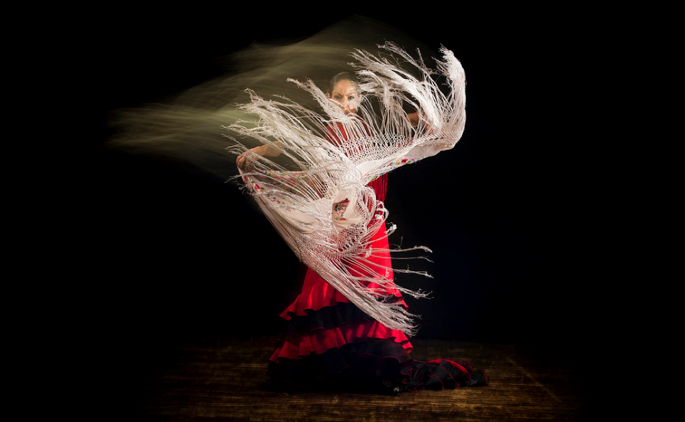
<point>330,344</point>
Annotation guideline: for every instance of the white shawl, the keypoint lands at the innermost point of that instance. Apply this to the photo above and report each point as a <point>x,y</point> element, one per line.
<point>320,203</point>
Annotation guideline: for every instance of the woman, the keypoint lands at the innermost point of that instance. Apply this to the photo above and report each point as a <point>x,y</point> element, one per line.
<point>329,343</point>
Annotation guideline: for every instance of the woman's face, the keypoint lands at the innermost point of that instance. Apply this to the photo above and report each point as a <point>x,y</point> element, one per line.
<point>345,94</point>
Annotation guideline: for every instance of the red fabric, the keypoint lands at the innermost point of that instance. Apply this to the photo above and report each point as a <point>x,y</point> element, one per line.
<point>380,185</point>
<point>317,293</point>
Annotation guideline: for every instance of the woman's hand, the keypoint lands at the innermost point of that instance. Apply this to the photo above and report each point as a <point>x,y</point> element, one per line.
<point>243,160</point>
<point>415,119</point>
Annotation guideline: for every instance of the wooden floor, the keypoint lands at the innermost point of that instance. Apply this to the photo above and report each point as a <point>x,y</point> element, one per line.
<point>219,381</point>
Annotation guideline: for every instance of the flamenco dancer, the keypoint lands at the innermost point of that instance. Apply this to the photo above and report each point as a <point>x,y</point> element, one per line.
<point>321,180</point>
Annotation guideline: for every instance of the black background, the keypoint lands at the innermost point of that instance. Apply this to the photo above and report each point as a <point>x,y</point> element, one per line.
<point>178,255</point>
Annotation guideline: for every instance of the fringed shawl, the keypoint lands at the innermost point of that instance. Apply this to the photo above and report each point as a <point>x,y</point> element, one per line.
<point>324,208</point>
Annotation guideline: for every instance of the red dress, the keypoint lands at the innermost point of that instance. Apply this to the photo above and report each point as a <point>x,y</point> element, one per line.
<point>330,344</point>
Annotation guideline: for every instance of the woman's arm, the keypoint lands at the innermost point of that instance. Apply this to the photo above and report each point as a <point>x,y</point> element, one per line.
<point>263,150</point>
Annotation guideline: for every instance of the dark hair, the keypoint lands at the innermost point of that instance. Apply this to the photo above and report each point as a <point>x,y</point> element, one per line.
<point>342,76</point>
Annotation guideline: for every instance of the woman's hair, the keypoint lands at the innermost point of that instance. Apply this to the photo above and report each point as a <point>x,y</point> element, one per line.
<point>342,76</point>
